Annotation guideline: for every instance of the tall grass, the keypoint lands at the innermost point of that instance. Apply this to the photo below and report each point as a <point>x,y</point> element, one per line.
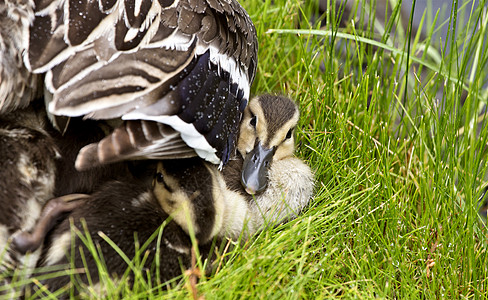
<point>393,125</point>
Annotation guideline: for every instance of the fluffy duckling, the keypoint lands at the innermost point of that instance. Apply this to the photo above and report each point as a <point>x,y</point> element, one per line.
<point>27,155</point>
<point>123,210</point>
<point>37,165</point>
<point>276,185</point>
<point>266,135</point>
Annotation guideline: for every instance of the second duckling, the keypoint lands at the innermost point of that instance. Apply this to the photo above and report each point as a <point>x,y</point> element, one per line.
<point>125,211</point>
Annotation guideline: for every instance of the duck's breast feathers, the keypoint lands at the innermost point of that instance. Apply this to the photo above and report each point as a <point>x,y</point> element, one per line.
<point>138,59</point>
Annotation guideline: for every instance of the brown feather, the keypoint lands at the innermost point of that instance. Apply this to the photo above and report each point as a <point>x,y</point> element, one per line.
<point>131,141</point>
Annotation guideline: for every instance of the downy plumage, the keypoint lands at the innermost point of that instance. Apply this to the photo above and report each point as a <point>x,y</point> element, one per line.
<point>27,172</point>
<point>37,165</point>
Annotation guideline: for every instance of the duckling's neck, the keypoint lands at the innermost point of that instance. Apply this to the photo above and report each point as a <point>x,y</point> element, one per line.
<point>232,176</point>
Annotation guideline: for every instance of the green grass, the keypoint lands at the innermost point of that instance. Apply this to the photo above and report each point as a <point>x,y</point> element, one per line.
<point>397,181</point>
<point>394,128</point>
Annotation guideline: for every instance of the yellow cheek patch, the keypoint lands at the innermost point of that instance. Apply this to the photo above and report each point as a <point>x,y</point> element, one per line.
<point>179,206</point>
<point>248,134</point>
<point>284,150</point>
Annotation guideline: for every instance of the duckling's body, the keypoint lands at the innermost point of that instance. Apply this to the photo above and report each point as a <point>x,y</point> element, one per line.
<point>289,190</point>
<point>27,156</point>
<point>37,165</point>
<point>122,210</point>
<point>277,185</point>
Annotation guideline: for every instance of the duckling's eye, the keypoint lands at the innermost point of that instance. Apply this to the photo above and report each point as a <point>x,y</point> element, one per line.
<point>289,133</point>
<point>253,121</point>
<point>160,179</point>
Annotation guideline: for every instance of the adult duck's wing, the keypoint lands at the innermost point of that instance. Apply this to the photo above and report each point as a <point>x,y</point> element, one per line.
<point>188,64</point>
<point>135,139</point>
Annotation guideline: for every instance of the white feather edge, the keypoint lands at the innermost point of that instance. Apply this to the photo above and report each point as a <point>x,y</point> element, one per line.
<point>228,64</point>
<point>188,133</point>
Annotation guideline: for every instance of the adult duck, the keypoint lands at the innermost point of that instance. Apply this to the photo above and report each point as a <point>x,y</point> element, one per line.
<point>186,65</point>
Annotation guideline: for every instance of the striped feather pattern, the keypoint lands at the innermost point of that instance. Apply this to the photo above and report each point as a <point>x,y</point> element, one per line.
<point>134,139</point>
<point>188,64</point>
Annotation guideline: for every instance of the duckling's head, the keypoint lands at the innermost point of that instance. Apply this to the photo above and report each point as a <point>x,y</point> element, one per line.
<point>184,189</point>
<point>266,134</point>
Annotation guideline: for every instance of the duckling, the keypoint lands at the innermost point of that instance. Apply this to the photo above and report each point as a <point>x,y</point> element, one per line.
<point>186,64</point>
<point>67,179</point>
<point>125,209</point>
<point>275,185</point>
<point>27,153</point>
<point>266,135</point>
<point>37,165</point>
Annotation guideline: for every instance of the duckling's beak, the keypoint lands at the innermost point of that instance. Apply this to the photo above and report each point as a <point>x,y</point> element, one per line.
<point>255,169</point>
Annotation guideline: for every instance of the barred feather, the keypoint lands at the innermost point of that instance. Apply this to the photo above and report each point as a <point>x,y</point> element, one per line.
<point>135,140</point>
